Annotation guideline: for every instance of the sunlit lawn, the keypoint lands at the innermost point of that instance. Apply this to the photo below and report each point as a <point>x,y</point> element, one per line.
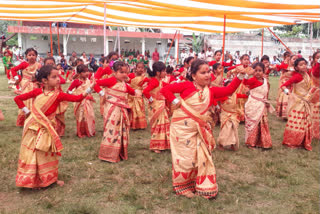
<point>280,180</point>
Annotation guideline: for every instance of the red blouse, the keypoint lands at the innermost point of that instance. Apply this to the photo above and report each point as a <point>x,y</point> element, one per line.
<point>252,82</point>
<point>133,75</point>
<point>109,82</point>
<point>224,64</point>
<point>62,80</point>
<point>282,66</point>
<point>21,66</point>
<point>316,70</point>
<point>61,97</point>
<point>186,88</point>
<point>153,83</point>
<point>213,77</point>
<point>102,71</point>
<point>75,84</point>
<point>296,77</point>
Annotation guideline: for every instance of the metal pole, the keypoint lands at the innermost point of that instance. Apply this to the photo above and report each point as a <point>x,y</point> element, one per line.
<point>104,31</point>
<point>58,38</point>
<point>171,46</point>
<point>178,47</point>
<point>51,45</point>
<point>224,40</point>
<point>262,43</point>
<point>280,40</point>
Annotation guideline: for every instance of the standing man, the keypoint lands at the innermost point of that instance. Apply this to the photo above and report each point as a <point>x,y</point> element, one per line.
<point>72,59</point>
<point>184,56</point>
<point>209,55</point>
<point>155,56</point>
<point>191,53</point>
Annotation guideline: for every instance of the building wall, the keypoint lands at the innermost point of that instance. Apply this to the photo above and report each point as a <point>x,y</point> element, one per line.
<point>92,44</point>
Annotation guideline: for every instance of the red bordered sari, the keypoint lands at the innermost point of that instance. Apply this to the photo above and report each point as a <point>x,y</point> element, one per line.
<point>298,129</point>
<point>136,104</point>
<point>27,85</point>
<point>191,146</point>
<point>256,118</point>
<point>84,112</point>
<point>40,146</point>
<point>159,120</point>
<point>283,98</point>
<point>114,145</point>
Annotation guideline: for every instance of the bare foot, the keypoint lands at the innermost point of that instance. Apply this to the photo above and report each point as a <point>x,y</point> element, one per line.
<point>188,194</point>
<point>60,183</point>
<point>36,188</point>
<point>157,151</point>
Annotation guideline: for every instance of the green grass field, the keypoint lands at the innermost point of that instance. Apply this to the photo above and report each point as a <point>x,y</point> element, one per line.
<point>280,180</point>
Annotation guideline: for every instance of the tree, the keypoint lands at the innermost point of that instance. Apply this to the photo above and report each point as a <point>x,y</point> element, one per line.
<point>4,30</point>
<point>197,42</point>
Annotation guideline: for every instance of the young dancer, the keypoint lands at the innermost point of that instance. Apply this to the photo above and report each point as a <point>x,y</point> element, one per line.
<point>41,145</point>
<point>282,99</point>
<point>158,111</point>
<point>27,82</point>
<point>315,91</point>
<point>114,145</point>
<point>298,129</point>
<point>217,59</point>
<point>216,77</point>
<point>191,138</point>
<point>256,116</point>
<point>136,103</point>
<point>83,110</point>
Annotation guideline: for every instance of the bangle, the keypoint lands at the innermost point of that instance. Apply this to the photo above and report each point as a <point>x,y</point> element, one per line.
<point>16,78</point>
<point>240,76</point>
<point>25,110</point>
<point>286,91</point>
<point>175,101</point>
<point>101,93</point>
<point>150,99</point>
<point>89,90</point>
<point>69,92</point>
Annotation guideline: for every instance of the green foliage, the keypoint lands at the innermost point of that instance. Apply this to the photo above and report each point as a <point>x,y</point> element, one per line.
<point>197,42</point>
<point>299,30</point>
<point>4,29</point>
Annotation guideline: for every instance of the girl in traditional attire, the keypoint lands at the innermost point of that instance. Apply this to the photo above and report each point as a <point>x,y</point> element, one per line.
<point>298,129</point>
<point>182,72</point>
<point>283,98</point>
<point>315,91</point>
<point>83,110</point>
<point>217,59</point>
<point>62,108</point>
<point>136,103</point>
<point>216,75</point>
<point>158,111</point>
<point>41,145</point>
<point>191,138</point>
<point>256,117</point>
<point>27,82</point>
<point>102,73</point>
<point>114,145</point>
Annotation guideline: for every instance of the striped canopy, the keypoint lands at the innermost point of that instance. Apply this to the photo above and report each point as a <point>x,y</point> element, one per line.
<point>188,15</point>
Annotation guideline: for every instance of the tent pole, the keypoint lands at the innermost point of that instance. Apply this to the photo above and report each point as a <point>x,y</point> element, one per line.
<point>224,40</point>
<point>262,42</point>
<point>58,38</point>
<point>178,47</point>
<point>119,52</point>
<point>280,40</point>
<point>170,46</point>
<point>51,45</point>
<point>104,31</point>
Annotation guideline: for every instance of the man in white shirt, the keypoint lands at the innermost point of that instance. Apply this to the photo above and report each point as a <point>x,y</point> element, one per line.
<point>209,55</point>
<point>184,55</point>
<point>191,53</point>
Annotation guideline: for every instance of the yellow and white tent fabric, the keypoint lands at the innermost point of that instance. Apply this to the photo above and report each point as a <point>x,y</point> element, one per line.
<point>192,15</point>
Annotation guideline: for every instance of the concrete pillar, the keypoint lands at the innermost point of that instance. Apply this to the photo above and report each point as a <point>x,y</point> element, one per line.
<point>143,48</point>
<point>19,40</point>
<point>65,51</point>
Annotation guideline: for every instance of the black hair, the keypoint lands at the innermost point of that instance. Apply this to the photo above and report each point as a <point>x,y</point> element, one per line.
<point>187,60</point>
<point>111,54</point>
<point>139,63</point>
<point>156,67</point>
<point>195,66</point>
<point>169,69</point>
<point>118,65</point>
<point>217,51</point>
<point>286,54</point>
<point>49,58</point>
<point>265,57</point>
<point>244,55</point>
<point>215,66</point>
<point>81,69</point>
<point>296,63</point>
<point>78,60</point>
<point>258,64</point>
<point>44,72</point>
<point>30,50</point>
<point>10,66</point>
<point>314,55</point>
